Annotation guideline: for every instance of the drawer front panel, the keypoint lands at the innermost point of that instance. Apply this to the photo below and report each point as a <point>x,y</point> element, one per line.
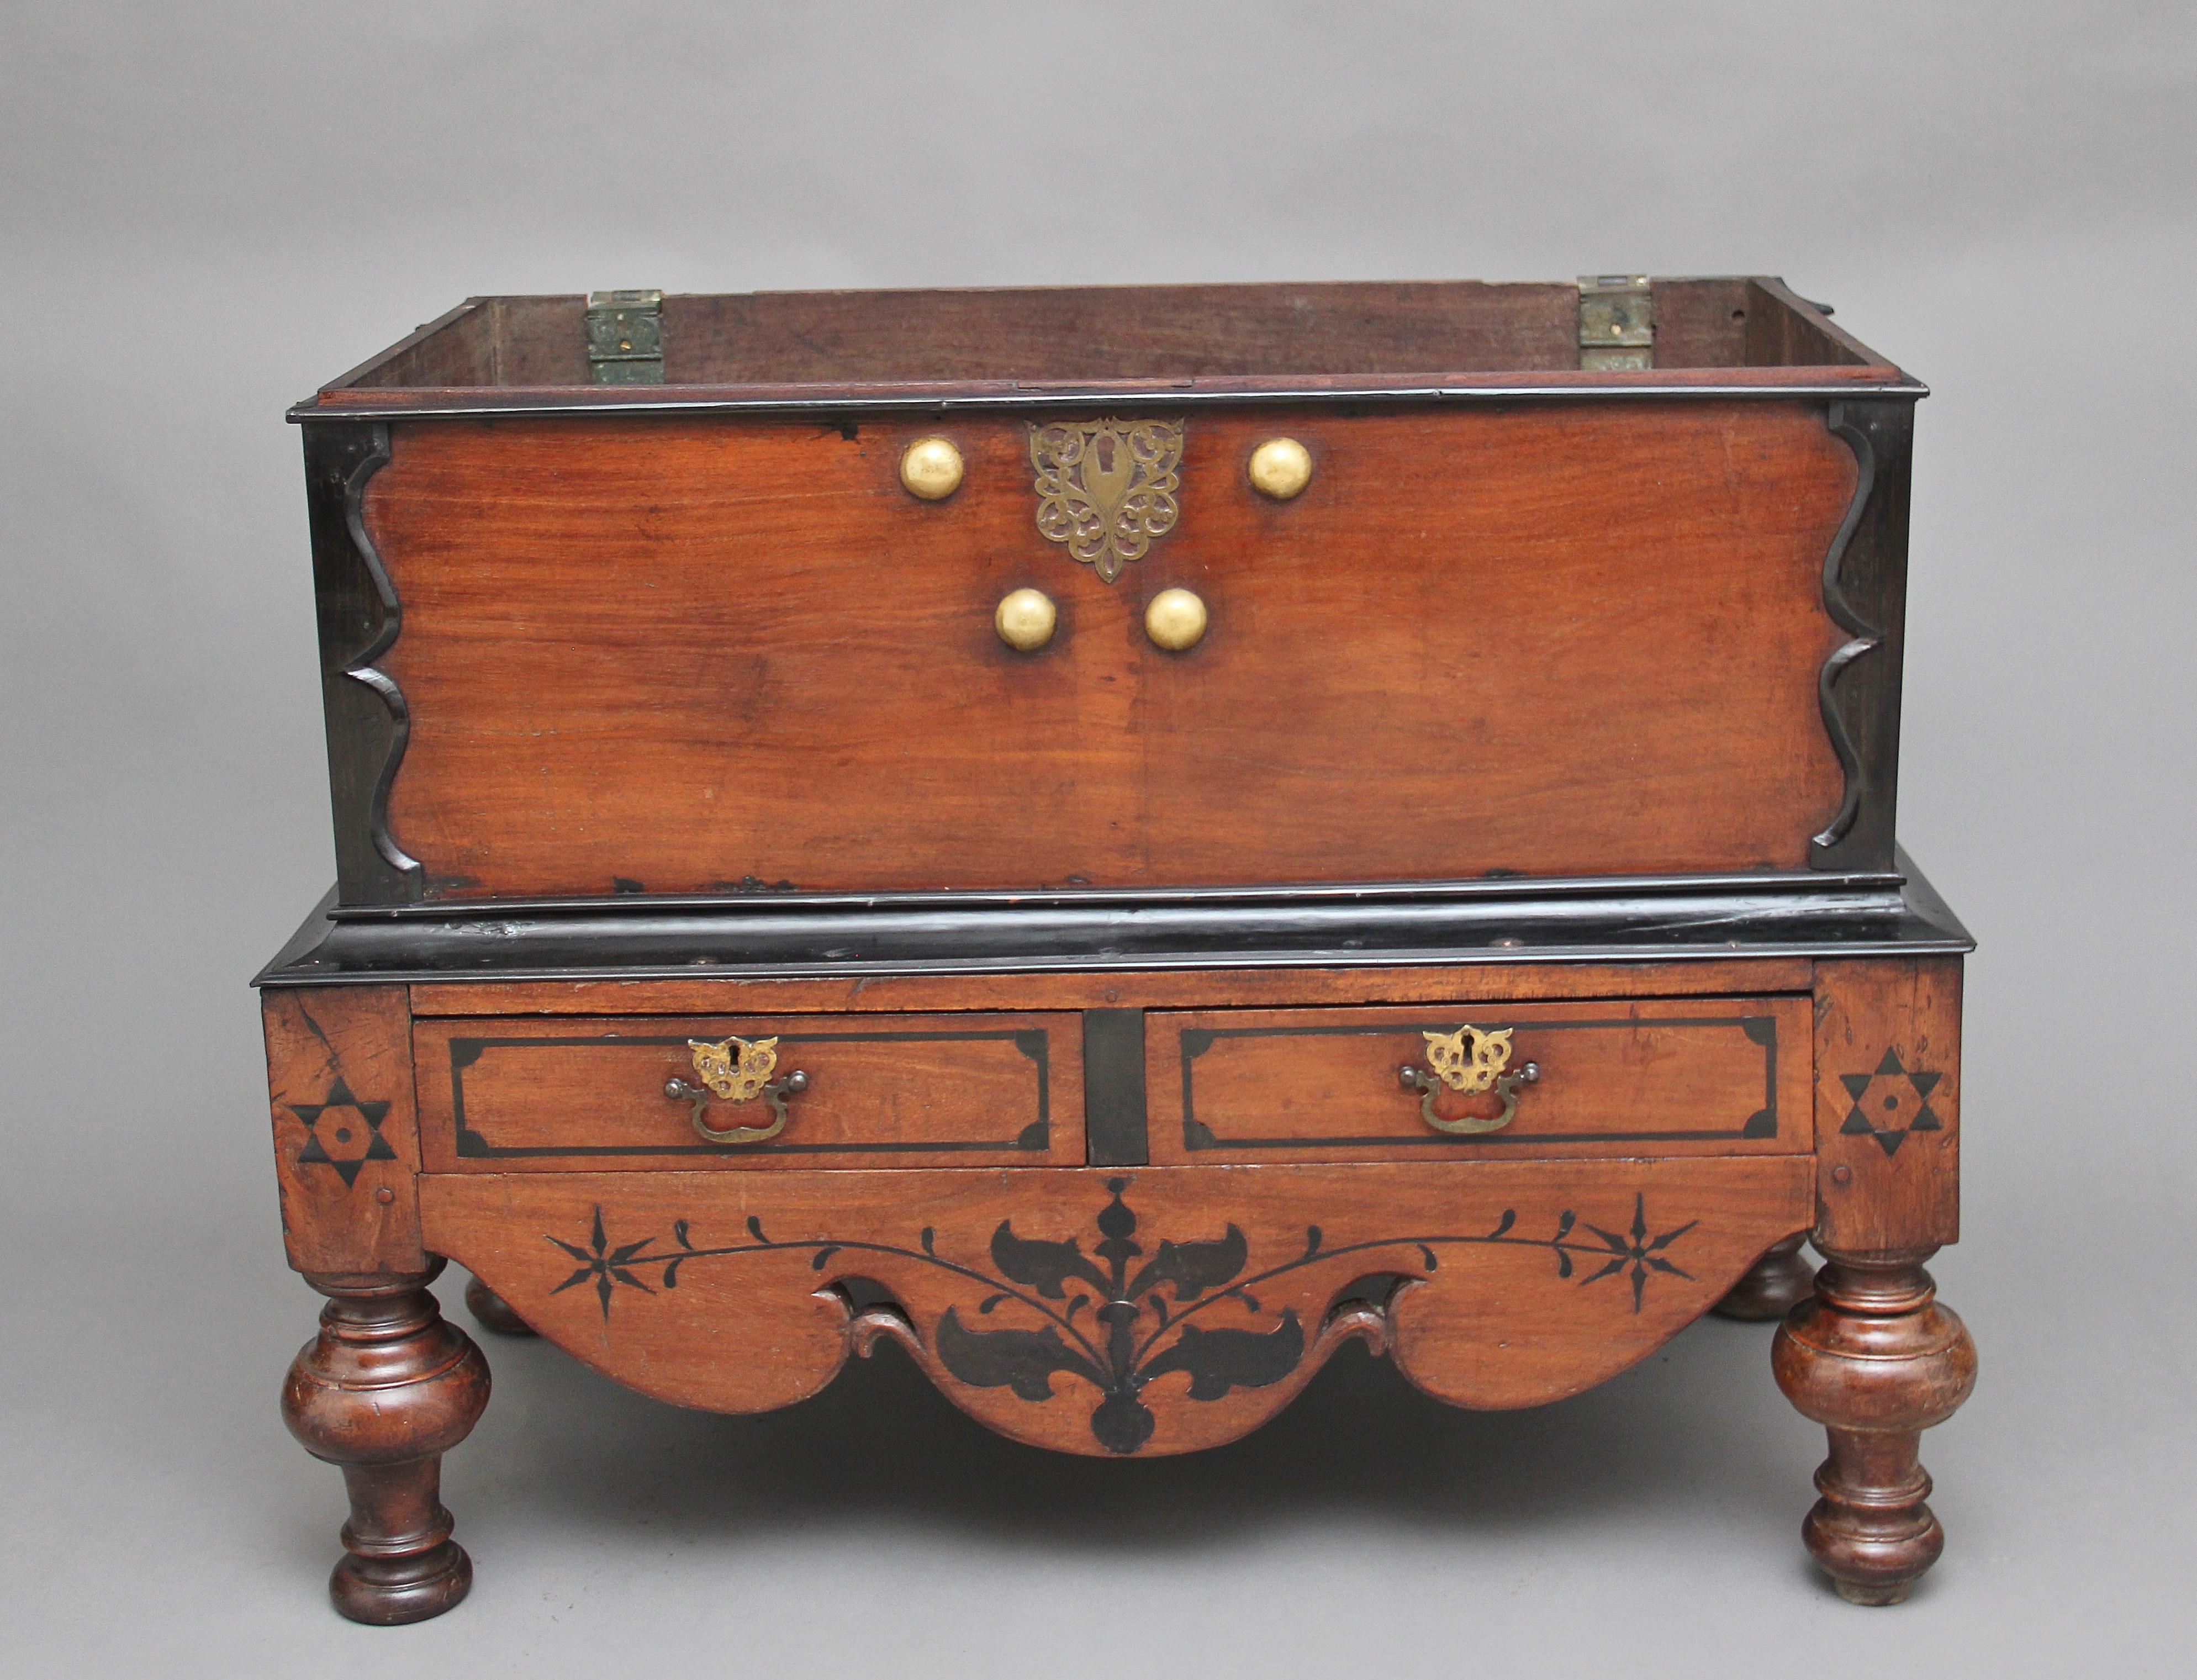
<point>690,656</point>
<point>530,1095</point>
<point>1681,1076</point>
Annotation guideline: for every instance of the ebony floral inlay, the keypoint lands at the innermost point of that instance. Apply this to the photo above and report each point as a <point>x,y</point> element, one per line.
<point>1116,1320</point>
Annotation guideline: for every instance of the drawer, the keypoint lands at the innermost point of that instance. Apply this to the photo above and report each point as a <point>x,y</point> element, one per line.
<point>1682,1076</point>
<point>500,1095</point>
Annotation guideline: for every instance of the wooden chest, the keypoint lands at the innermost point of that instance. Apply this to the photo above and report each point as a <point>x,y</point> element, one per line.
<point>1117,839</point>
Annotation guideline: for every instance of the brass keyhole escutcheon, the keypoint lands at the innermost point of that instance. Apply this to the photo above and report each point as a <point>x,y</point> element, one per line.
<point>1470,1060</point>
<point>931,469</point>
<point>1025,619</point>
<point>737,1070</point>
<point>1175,619</point>
<point>1281,467</point>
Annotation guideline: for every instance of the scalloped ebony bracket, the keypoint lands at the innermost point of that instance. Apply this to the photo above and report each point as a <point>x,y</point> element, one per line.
<point>367,720</point>
<point>1865,594</point>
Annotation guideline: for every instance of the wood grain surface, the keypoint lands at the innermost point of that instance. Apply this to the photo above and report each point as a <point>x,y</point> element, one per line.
<point>1888,1104</point>
<point>1148,1311</point>
<point>346,1141</point>
<point>1265,988</point>
<point>664,656</point>
<point>1085,333</point>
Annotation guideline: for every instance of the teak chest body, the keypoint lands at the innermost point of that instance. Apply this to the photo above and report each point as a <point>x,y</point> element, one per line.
<point>1117,839</point>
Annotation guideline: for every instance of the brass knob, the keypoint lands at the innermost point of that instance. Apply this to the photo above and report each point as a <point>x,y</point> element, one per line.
<point>1280,468</point>
<point>1025,619</point>
<point>1175,620</point>
<point>931,469</point>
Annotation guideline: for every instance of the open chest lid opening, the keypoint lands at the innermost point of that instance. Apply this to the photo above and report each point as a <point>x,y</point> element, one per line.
<point>1614,333</point>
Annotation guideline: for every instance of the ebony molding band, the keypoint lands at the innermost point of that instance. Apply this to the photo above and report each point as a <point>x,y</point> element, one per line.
<point>1865,594</point>
<point>790,940</point>
<point>367,720</point>
<point>1879,887</point>
<point>482,403</point>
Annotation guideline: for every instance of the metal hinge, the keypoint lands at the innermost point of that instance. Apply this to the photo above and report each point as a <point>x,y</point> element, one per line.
<point>1616,322</point>
<point>625,336</point>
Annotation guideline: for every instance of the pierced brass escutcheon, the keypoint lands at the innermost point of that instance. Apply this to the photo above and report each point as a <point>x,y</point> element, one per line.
<point>1470,1060</point>
<point>1106,488</point>
<point>737,1070</point>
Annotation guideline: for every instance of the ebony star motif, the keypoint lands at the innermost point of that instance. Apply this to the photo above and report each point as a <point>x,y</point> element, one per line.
<point>1640,1251</point>
<point>1890,1103</point>
<point>343,1133</point>
<point>600,1264</point>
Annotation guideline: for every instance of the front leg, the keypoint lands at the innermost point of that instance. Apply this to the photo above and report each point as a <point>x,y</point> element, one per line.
<point>1874,1359</point>
<point>386,1389</point>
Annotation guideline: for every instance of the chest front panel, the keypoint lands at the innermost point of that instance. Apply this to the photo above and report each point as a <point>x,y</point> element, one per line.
<point>719,655</point>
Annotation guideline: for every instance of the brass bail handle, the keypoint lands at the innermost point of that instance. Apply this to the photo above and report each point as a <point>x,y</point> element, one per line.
<point>737,1070</point>
<point>1471,1060</point>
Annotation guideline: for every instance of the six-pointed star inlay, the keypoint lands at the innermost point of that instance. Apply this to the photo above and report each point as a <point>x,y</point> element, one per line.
<point>1890,1103</point>
<point>343,1133</point>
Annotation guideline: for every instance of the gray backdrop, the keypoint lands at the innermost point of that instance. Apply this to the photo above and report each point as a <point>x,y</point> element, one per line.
<point>209,209</point>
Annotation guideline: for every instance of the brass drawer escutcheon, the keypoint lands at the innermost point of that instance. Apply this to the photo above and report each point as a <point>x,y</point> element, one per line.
<point>1472,1061</point>
<point>737,1070</point>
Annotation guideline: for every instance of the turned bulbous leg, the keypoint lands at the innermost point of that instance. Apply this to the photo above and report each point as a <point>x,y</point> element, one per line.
<point>492,1311</point>
<point>1874,1359</point>
<point>1772,1286</point>
<point>383,1392</point>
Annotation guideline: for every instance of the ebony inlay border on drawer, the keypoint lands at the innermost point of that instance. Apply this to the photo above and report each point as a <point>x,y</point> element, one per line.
<point>1761,1029</point>
<point>1034,1138</point>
